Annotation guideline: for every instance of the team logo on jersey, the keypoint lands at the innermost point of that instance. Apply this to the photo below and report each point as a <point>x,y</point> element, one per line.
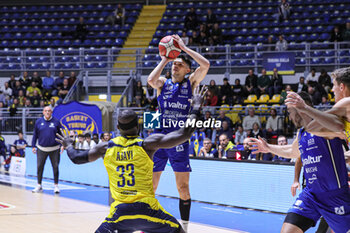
<point>52,125</point>
<point>298,202</point>
<point>184,85</point>
<point>312,179</point>
<point>179,148</point>
<point>311,141</point>
<point>339,210</point>
<point>184,91</point>
<point>42,124</point>
<point>151,120</point>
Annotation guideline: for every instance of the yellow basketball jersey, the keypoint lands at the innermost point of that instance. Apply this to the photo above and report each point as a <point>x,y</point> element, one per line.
<point>130,170</point>
<point>347,130</point>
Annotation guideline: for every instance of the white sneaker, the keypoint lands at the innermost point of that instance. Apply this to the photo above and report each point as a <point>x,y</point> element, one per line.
<point>38,189</point>
<point>56,189</point>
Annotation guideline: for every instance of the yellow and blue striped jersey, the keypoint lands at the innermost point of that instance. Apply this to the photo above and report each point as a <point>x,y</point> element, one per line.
<point>347,130</point>
<point>130,170</point>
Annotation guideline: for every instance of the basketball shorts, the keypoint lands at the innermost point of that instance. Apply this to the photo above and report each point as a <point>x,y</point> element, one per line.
<point>147,216</point>
<point>334,206</point>
<point>178,157</point>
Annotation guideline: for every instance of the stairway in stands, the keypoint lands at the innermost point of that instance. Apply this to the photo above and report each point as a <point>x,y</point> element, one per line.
<point>140,36</point>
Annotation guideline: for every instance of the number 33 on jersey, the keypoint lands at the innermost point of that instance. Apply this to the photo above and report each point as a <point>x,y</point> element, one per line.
<point>129,169</point>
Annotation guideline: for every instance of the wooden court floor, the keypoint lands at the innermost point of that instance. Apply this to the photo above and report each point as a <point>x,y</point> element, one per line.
<point>44,213</point>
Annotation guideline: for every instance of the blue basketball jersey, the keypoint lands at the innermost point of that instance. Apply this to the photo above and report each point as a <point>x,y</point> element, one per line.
<point>323,161</point>
<point>174,104</point>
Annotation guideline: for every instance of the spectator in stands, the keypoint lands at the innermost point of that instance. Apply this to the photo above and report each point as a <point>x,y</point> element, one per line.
<point>207,150</point>
<point>42,103</point>
<point>324,105</point>
<point>281,140</point>
<point>324,80</point>
<point>207,131</point>
<point>53,103</point>
<point>213,87</point>
<point>95,138</point>
<point>300,86</point>
<point>17,88</point>
<point>35,99</point>
<point>281,44</point>
<point>276,83</point>
<point>13,107</point>
<point>185,38</point>
<point>210,99</point>
<point>336,36</point>
<point>284,93</point>
<point>118,16</point>
<point>226,129</point>
<point>20,144</point>
<point>7,162</point>
<point>271,46</point>
<point>240,135</point>
<point>58,83</point>
<point>25,80</point>
<point>106,136</point>
<point>91,143</point>
<point>315,95</point>
<point>82,144</point>
<point>151,97</point>
<point>81,30</point>
<point>72,78</point>
<point>139,94</point>
<point>222,117</point>
<point>2,97</point>
<point>311,78</point>
<point>195,39</point>
<point>249,120</point>
<point>274,125</point>
<point>283,10</point>
<point>36,78</point>
<point>263,82</point>
<point>48,85</point>
<point>32,88</point>
<point>211,19</point>
<point>216,34</point>
<point>21,98</point>
<point>191,21</point>
<point>255,132</point>
<point>6,90</point>
<point>224,146</point>
<point>12,82</point>
<point>238,91</point>
<point>226,93</point>
<point>203,39</point>
<point>64,91</point>
<point>251,83</point>
<point>346,32</point>
<point>203,28</point>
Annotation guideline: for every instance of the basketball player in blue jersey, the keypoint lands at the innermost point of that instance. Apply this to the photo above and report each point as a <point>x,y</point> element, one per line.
<point>173,95</point>
<point>128,161</point>
<point>326,193</point>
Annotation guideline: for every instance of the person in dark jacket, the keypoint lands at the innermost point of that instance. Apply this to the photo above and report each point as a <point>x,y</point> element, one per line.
<point>45,131</point>
<point>276,83</point>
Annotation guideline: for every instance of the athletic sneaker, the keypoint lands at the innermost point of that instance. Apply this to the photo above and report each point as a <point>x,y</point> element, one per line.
<point>38,189</point>
<point>56,189</point>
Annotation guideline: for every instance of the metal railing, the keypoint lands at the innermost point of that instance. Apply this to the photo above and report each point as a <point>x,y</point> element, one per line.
<point>23,120</point>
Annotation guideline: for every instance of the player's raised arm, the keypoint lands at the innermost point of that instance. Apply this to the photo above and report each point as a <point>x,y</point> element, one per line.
<point>154,78</point>
<point>199,74</point>
<point>329,119</point>
<point>81,156</point>
<point>157,141</point>
<point>286,151</point>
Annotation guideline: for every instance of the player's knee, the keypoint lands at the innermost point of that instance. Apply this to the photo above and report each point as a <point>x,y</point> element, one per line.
<point>183,188</point>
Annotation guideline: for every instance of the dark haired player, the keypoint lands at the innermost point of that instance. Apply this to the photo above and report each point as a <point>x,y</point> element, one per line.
<point>173,95</point>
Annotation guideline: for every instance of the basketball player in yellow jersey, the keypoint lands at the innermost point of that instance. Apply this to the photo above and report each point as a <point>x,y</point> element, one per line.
<point>337,119</point>
<point>128,160</point>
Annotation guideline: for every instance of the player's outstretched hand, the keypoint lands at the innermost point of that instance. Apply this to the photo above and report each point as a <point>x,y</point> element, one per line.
<point>198,97</point>
<point>294,100</point>
<point>258,145</point>
<point>64,139</point>
<point>178,39</point>
<point>293,189</point>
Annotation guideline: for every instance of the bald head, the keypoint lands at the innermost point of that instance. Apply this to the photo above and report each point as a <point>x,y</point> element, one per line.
<point>126,116</point>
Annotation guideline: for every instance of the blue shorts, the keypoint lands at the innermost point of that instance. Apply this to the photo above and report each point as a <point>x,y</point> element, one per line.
<point>139,216</point>
<point>178,157</point>
<point>333,206</point>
